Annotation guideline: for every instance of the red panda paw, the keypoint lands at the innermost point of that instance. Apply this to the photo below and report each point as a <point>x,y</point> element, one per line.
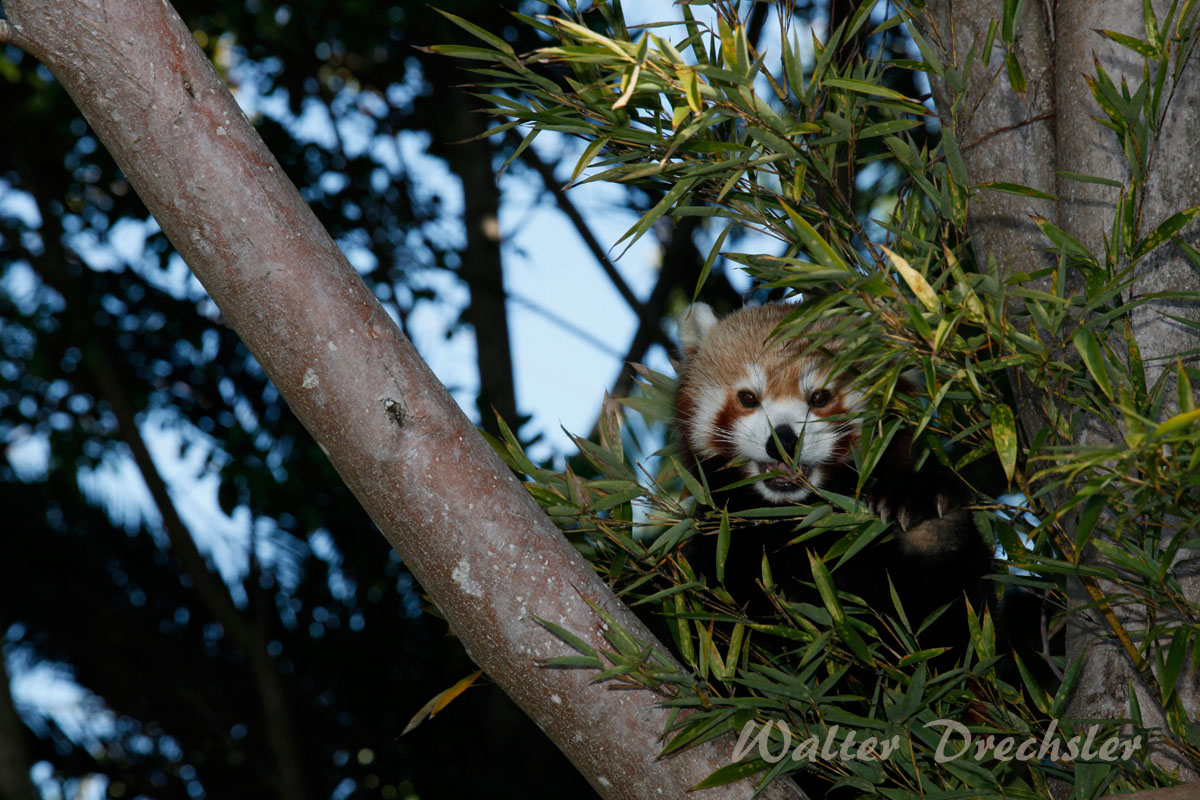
<point>915,499</point>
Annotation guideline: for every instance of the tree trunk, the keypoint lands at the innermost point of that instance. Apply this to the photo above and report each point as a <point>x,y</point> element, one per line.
<point>482,268</point>
<point>1050,128</point>
<point>470,533</point>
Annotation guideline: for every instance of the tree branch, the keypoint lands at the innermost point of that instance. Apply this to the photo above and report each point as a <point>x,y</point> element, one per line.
<point>482,267</point>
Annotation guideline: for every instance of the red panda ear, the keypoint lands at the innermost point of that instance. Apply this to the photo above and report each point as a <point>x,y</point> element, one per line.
<point>694,324</point>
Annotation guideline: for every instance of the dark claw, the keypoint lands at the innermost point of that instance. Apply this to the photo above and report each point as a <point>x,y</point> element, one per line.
<point>915,499</point>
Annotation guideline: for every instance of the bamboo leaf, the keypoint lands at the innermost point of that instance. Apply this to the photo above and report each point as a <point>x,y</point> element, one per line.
<point>1016,77</point>
<point>1183,386</point>
<point>466,51</point>
<point>1176,654</point>
<point>440,701</point>
<point>711,259</point>
<point>1177,421</point>
<point>864,87</point>
<point>954,159</point>
<point>1063,240</point>
<point>722,545</point>
<point>915,280</point>
<point>989,41</point>
<point>1133,43</point>
<point>574,642</point>
<point>731,773</point>
<point>824,584</point>
<point>813,242</point>
<point>887,127</point>
<point>928,52</point>
<point>1079,176</point>
<point>589,154</point>
<point>1004,435</point>
<point>1008,21</point>
<point>655,214</point>
<point>691,88</point>
<point>1165,230</point>
<point>630,88</point>
<point>1093,357</point>
<point>478,32</point>
<point>1151,23</point>
<point>1017,189</point>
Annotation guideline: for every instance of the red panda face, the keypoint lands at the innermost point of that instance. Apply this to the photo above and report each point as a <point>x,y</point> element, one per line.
<point>763,406</point>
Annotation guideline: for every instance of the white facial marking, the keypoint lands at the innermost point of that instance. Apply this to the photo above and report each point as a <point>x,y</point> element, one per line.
<point>750,434</point>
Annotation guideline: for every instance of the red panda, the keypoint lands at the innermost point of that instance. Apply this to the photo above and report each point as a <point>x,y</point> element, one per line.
<point>743,395</point>
<point>774,411</point>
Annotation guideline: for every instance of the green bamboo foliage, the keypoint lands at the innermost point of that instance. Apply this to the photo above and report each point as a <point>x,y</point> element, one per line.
<point>714,128</point>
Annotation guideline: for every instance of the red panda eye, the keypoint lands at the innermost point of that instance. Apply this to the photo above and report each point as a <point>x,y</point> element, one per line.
<point>819,398</point>
<point>748,398</point>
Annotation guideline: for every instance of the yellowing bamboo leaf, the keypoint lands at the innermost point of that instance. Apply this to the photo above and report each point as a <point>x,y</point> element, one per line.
<point>818,247</point>
<point>1144,49</point>
<point>1004,436</point>
<point>1183,386</point>
<point>1165,230</point>
<point>630,88</point>
<point>691,87</point>
<point>915,280</point>
<point>1177,421</point>
<point>440,701</point>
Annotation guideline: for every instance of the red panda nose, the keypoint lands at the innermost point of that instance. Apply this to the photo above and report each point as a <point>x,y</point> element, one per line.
<point>787,440</point>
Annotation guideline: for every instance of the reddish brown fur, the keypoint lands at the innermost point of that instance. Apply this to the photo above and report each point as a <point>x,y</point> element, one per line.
<point>748,337</point>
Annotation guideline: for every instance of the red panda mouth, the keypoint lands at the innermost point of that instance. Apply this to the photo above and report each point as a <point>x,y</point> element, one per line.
<point>789,479</point>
